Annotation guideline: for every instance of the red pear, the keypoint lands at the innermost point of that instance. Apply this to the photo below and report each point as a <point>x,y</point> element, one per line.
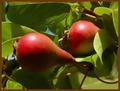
<point>81,36</point>
<point>37,52</point>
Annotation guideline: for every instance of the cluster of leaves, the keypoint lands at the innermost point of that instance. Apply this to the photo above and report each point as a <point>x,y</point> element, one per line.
<point>52,19</point>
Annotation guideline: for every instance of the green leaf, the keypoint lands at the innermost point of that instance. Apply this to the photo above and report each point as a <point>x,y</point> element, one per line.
<point>67,22</point>
<point>115,20</point>
<point>64,83</point>
<point>114,71</point>
<point>86,5</point>
<point>6,31</point>
<point>75,78</point>
<point>109,26</point>
<point>113,61</point>
<point>89,61</point>
<point>114,7</point>
<point>75,11</point>
<point>12,30</point>
<point>102,41</point>
<point>32,79</point>
<point>61,80</point>
<point>9,32</point>
<point>34,15</point>
<point>57,29</point>
<point>21,3</point>
<point>68,76</point>
<point>104,66</point>
<point>85,59</point>
<point>102,10</point>
<point>2,6</point>
<point>56,40</point>
<point>7,47</point>
<point>13,85</point>
<point>103,45</point>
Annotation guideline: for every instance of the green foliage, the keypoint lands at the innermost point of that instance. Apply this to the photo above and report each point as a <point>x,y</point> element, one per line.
<point>33,15</point>
<point>10,31</point>
<point>101,43</point>
<point>13,85</point>
<point>114,8</point>
<point>87,5</point>
<point>52,19</point>
<point>9,46</point>
<point>102,10</point>
<point>32,79</point>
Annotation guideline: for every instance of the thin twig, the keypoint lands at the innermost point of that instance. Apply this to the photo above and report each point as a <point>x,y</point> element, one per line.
<point>103,80</point>
<point>83,79</point>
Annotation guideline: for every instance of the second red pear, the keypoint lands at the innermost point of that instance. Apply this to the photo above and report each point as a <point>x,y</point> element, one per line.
<point>81,36</point>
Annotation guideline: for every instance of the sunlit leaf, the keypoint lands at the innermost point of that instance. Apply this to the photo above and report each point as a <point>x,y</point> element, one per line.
<point>21,3</point>
<point>102,41</point>
<point>114,8</point>
<point>13,85</point>
<point>86,4</point>
<point>102,10</point>
<point>9,46</point>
